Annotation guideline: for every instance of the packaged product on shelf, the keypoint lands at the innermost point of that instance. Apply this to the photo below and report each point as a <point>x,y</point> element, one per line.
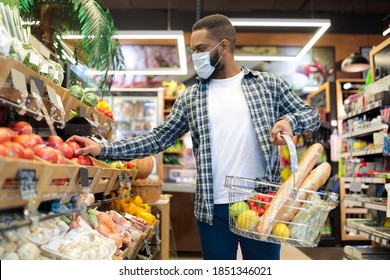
<point>32,59</point>
<point>46,69</point>
<point>5,41</point>
<point>58,73</point>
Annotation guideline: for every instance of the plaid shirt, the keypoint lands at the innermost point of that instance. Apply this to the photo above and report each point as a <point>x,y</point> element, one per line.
<point>269,99</point>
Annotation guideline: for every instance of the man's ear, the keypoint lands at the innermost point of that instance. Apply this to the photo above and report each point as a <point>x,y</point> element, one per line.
<point>225,46</point>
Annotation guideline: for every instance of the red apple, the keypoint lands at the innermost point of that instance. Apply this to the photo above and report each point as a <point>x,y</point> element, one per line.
<point>74,145</point>
<point>54,141</point>
<point>2,150</point>
<point>28,153</point>
<point>5,134</point>
<point>66,150</point>
<point>61,159</point>
<point>84,160</point>
<point>13,149</point>
<point>21,127</point>
<point>48,153</point>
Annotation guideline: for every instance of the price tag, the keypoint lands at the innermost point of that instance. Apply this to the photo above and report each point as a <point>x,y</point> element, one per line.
<point>95,119</point>
<point>27,183</point>
<point>355,187</point>
<point>128,182</point>
<point>55,98</point>
<point>37,86</point>
<point>18,80</point>
<point>84,177</point>
<point>82,112</point>
<point>121,182</point>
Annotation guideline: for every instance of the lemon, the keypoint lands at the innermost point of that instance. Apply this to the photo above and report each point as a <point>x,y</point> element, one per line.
<point>247,220</point>
<point>281,231</point>
<point>237,208</point>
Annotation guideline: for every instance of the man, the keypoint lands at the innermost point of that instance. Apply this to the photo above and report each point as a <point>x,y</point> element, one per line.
<point>235,116</point>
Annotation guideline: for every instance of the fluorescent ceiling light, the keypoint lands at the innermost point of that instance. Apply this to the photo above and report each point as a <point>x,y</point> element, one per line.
<point>177,38</point>
<point>321,24</point>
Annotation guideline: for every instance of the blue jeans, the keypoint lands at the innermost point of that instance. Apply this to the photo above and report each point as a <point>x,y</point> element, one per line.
<point>219,243</point>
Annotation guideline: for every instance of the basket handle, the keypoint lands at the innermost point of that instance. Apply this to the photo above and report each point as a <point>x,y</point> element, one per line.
<point>292,151</point>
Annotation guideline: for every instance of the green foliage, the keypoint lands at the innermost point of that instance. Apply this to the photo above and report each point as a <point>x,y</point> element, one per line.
<point>98,49</point>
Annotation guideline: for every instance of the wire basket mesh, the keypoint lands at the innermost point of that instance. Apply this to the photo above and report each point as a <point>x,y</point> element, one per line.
<point>300,222</point>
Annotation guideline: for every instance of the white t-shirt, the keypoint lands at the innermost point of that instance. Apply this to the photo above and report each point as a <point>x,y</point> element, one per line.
<point>235,150</point>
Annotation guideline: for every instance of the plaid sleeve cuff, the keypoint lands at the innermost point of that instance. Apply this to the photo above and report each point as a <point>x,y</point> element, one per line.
<point>291,120</point>
<point>106,148</point>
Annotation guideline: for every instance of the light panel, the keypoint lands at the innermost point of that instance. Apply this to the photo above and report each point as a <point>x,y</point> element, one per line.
<point>154,37</point>
<point>321,24</point>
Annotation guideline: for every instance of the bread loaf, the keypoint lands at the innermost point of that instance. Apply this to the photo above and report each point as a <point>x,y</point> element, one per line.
<point>284,193</point>
<point>317,178</point>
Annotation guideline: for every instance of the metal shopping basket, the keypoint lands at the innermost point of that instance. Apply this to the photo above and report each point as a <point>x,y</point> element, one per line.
<point>301,214</point>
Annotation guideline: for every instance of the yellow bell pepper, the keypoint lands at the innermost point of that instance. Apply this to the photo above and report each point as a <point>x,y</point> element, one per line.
<point>145,206</point>
<point>139,210</point>
<point>149,218</point>
<point>137,200</point>
<point>130,208</point>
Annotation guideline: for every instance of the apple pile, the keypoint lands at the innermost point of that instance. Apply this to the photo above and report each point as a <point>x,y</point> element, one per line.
<point>68,149</point>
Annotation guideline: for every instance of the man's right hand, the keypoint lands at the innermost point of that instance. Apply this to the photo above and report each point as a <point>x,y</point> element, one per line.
<point>87,145</point>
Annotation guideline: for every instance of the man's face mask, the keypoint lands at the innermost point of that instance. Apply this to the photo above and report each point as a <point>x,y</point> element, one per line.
<point>202,64</point>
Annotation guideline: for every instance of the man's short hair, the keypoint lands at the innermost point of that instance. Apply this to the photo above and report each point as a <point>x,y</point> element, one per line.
<point>219,27</point>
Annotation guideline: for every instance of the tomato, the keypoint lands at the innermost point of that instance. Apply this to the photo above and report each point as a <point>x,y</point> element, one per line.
<point>66,150</point>
<point>47,153</point>
<point>28,153</point>
<point>261,211</point>
<point>74,145</point>
<point>251,203</point>
<point>21,127</point>
<point>255,208</point>
<point>5,134</point>
<point>54,141</point>
<point>129,164</point>
<point>13,149</point>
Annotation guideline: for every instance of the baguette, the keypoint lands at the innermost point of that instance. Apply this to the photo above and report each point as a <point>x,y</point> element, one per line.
<point>284,193</point>
<point>317,178</point>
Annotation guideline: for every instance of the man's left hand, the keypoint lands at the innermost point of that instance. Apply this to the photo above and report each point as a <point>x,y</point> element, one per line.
<point>280,127</point>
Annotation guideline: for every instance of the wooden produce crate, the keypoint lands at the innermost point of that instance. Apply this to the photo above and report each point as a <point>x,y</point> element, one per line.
<point>130,172</point>
<point>131,252</point>
<point>74,104</point>
<point>9,193</point>
<point>58,180</point>
<point>107,178</point>
<point>149,233</point>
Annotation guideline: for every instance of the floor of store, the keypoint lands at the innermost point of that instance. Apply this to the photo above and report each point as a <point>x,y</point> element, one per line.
<point>287,253</point>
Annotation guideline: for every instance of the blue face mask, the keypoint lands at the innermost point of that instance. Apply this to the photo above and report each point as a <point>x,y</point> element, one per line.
<point>202,64</point>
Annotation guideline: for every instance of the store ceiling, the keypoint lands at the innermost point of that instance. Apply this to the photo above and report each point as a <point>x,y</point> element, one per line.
<point>351,16</point>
